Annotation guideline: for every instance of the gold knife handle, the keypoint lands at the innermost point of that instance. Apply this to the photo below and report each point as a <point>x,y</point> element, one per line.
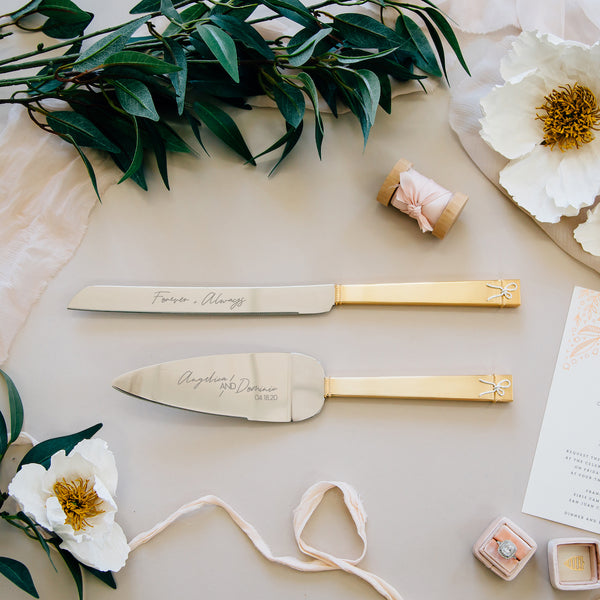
<point>482,388</point>
<point>498,292</point>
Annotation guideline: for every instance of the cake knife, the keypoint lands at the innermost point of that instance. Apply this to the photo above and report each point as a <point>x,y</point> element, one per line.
<point>301,299</point>
<point>284,387</point>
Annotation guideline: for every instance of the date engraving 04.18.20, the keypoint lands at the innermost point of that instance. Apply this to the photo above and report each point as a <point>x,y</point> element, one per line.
<point>228,383</point>
<point>211,299</point>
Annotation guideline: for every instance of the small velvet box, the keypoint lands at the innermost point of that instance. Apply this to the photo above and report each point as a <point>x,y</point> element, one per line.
<point>504,548</point>
<point>574,563</point>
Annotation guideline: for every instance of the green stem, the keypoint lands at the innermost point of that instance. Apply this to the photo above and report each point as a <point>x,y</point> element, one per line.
<point>24,80</point>
<point>38,63</point>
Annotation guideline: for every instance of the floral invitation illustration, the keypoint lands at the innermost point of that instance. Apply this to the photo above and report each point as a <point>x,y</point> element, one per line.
<point>564,484</point>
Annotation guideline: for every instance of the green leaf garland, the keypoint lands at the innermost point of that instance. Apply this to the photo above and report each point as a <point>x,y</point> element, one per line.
<point>130,81</point>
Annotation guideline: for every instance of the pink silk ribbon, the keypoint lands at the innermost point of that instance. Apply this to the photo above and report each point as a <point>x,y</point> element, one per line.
<point>414,192</point>
<point>320,560</point>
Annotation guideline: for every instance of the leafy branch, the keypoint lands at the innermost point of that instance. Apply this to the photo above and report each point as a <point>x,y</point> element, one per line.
<point>129,86</point>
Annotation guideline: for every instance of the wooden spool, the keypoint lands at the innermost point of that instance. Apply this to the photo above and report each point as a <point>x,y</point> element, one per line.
<point>450,213</point>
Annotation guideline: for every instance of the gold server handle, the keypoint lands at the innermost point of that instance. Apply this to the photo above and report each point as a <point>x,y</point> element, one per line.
<point>482,388</point>
<point>498,292</point>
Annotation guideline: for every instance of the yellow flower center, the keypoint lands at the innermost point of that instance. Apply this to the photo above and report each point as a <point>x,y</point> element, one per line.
<point>571,115</point>
<point>79,501</point>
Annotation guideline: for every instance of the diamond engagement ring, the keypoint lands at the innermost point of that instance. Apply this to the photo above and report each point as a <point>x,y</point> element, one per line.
<point>507,549</point>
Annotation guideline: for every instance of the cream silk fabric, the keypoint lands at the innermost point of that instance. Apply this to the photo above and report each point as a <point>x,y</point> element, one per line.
<point>489,27</point>
<point>45,203</point>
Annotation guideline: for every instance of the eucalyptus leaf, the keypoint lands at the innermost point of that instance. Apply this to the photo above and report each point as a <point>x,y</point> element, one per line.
<point>224,127</point>
<point>3,436</point>
<point>239,9</point>
<point>42,453</point>
<point>291,139</point>
<point>311,90</point>
<point>105,577</point>
<point>191,13</point>
<point>363,31</point>
<point>160,151</point>
<point>65,19</point>
<point>87,163</point>
<point>293,10</point>
<point>74,569</point>
<point>385,99</point>
<point>195,127</point>
<point>82,130</point>
<point>424,56</point>
<point>101,50</point>
<point>222,46</point>
<point>144,62</point>
<point>27,9</point>
<point>135,98</point>
<point>245,33</point>
<point>168,10</point>
<point>361,58</point>
<point>441,23</point>
<point>18,573</point>
<point>15,407</point>
<point>175,54</point>
<point>138,154</point>
<point>290,101</point>
<point>145,6</point>
<point>369,90</point>
<point>304,52</point>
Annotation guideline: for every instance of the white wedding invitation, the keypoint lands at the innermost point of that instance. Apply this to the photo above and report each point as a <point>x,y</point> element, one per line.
<point>564,484</point>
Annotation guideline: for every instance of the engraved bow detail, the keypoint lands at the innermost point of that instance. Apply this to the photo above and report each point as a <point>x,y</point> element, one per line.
<point>505,291</point>
<point>497,388</point>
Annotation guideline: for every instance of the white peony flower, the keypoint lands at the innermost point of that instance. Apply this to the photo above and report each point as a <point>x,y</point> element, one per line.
<point>74,499</point>
<point>544,119</point>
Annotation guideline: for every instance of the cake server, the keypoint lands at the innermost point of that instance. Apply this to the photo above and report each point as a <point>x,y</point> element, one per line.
<point>284,387</point>
<point>301,299</point>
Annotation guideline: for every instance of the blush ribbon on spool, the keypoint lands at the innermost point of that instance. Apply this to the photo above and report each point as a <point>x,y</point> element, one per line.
<point>433,207</point>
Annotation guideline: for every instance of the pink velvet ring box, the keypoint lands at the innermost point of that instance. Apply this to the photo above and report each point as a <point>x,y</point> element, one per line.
<point>517,543</point>
<point>574,563</point>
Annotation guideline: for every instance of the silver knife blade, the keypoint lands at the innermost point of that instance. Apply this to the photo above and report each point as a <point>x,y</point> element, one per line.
<point>276,387</point>
<point>302,299</point>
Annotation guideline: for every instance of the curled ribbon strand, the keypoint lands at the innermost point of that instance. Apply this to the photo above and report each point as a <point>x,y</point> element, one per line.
<point>416,191</point>
<point>321,561</point>
<point>505,291</point>
<point>497,388</point>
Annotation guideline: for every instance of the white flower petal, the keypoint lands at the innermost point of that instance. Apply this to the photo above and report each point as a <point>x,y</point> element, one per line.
<point>588,233</point>
<point>576,182</point>
<point>96,452</point>
<point>70,467</point>
<point>109,506</point>
<point>542,52</point>
<point>57,517</point>
<point>29,489</point>
<point>525,181</point>
<point>106,553</point>
<point>509,124</point>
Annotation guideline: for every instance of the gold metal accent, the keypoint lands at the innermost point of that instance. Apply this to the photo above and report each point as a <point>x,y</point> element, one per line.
<point>440,293</point>
<point>338,293</point>
<point>575,563</point>
<point>450,387</point>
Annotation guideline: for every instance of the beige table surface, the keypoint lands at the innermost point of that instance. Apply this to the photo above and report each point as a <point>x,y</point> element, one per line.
<point>432,474</point>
